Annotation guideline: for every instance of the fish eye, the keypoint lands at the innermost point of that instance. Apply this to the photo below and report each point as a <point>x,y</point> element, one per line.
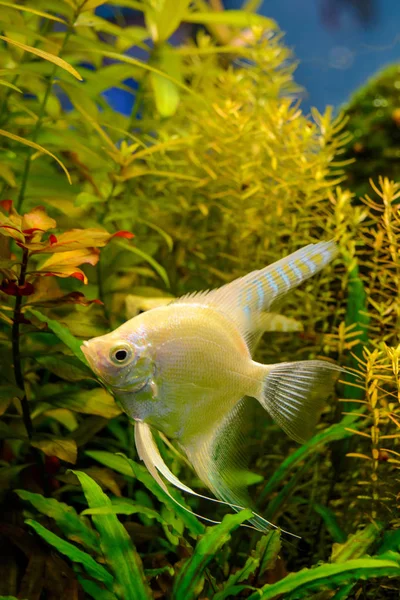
<point>120,355</point>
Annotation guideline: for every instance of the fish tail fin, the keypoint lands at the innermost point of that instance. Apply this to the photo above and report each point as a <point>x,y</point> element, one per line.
<point>294,394</point>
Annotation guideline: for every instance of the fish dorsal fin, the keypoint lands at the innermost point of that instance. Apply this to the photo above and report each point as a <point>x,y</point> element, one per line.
<point>244,299</point>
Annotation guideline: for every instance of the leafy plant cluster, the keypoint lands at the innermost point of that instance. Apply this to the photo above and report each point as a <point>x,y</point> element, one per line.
<point>374,121</point>
<point>215,172</point>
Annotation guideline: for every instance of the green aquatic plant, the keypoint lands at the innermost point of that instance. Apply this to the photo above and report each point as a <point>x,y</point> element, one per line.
<point>217,172</point>
<point>374,122</point>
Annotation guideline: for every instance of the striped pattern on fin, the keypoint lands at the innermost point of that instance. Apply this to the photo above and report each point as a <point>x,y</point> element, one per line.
<point>245,298</point>
<point>294,393</point>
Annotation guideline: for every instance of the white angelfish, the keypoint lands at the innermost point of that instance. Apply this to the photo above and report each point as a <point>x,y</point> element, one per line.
<point>186,370</point>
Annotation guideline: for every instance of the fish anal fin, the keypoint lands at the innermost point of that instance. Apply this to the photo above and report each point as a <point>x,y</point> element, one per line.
<point>220,461</point>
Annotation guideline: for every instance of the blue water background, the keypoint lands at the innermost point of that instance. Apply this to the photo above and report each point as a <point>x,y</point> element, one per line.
<point>338,48</point>
<point>339,44</point>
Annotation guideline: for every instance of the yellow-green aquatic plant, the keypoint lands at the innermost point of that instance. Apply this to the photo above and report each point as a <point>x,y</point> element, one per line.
<point>217,172</point>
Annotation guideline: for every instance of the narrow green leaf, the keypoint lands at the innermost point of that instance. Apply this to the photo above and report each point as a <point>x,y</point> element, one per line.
<point>10,85</point>
<point>329,576</point>
<point>129,468</point>
<point>356,314</point>
<point>45,55</point>
<point>66,518</point>
<point>95,591</point>
<point>262,559</point>
<point>92,568</point>
<point>33,11</point>
<point>156,266</point>
<point>62,333</point>
<point>230,586</point>
<point>235,18</point>
<point>21,140</point>
<point>189,581</point>
<point>116,545</point>
<point>329,518</point>
<point>317,442</point>
<point>124,508</point>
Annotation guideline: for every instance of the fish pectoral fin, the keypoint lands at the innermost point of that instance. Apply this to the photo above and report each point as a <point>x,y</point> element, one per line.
<point>150,455</point>
<point>294,394</point>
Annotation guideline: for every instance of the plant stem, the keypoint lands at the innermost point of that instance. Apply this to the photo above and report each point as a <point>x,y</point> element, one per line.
<point>19,378</point>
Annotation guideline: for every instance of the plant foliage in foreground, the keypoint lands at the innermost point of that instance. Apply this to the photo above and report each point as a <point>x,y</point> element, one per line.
<point>216,171</point>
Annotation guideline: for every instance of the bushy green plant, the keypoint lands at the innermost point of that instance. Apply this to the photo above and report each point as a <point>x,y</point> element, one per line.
<point>216,172</point>
<point>374,121</point>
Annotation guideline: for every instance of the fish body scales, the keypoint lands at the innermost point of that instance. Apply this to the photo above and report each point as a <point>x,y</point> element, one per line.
<point>202,368</point>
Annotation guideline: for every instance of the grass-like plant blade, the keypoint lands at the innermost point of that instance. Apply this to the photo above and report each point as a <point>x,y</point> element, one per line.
<point>356,313</point>
<point>129,468</point>
<point>331,524</point>
<point>66,518</point>
<point>159,269</point>
<point>261,559</point>
<point>125,508</point>
<point>331,576</point>
<point>317,442</point>
<point>31,144</point>
<point>45,55</point>
<point>73,553</point>
<point>95,591</point>
<point>62,333</point>
<point>116,545</point>
<point>33,11</point>
<point>189,581</point>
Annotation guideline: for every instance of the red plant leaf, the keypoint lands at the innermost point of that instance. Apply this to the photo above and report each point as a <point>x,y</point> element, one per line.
<point>124,234</point>
<point>53,239</point>
<point>78,275</point>
<point>26,290</point>
<point>6,205</point>
<point>9,287</point>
